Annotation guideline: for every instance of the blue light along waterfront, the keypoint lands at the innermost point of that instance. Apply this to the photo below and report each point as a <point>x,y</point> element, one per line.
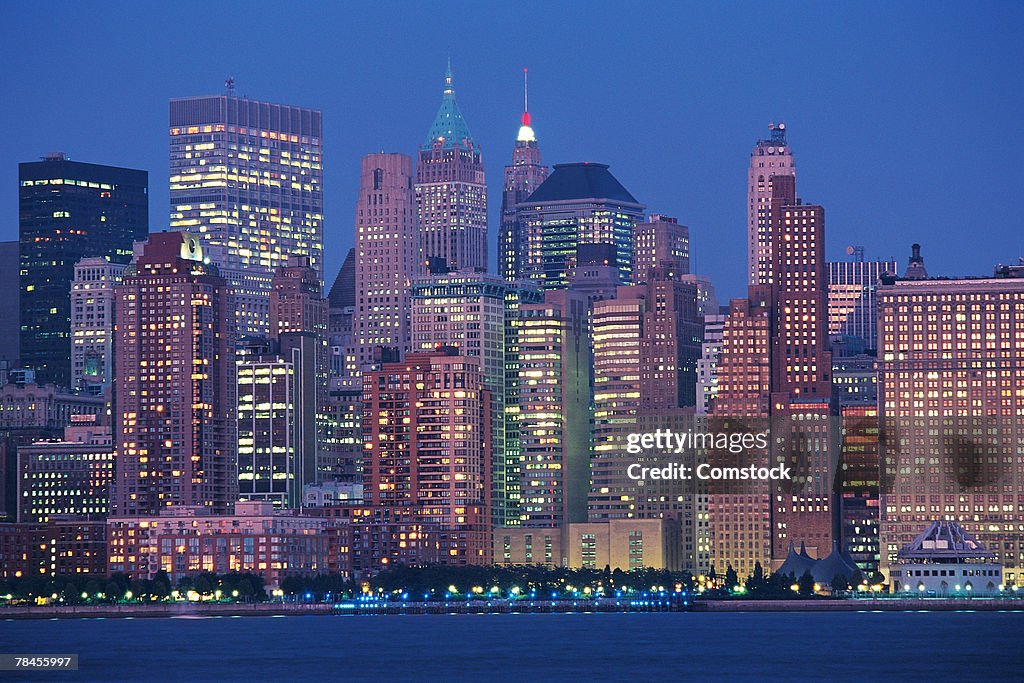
<point>752,646</point>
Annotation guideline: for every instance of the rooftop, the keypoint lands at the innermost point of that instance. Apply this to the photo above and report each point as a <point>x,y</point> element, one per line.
<point>583,180</point>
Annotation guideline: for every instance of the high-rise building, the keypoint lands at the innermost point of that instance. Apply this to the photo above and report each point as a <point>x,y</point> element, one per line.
<point>343,438</point>
<point>174,400</point>
<point>951,400</point>
<point>579,204</point>
<point>852,311</point>
<point>71,476</point>
<point>801,388</point>
<point>470,311</point>
<point>707,364</point>
<point>387,254</point>
<point>246,177</point>
<point>427,448</point>
<point>661,245</point>
<point>451,193</point>
<point>770,158</point>
<point>92,323</point>
<point>554,410</point>
<point>69,210</point>
<point>298,322</point>
<point>522,177</point>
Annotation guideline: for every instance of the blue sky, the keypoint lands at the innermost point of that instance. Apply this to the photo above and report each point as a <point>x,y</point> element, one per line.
<point>906,119</point>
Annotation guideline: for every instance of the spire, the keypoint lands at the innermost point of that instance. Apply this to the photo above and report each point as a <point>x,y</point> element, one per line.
<point>449,128</point>
<point>525,131</point>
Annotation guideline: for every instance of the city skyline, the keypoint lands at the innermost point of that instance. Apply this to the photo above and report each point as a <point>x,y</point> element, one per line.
<point>697,178</point>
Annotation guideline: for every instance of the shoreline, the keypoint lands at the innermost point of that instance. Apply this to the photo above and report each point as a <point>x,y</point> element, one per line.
<point>354,608</point>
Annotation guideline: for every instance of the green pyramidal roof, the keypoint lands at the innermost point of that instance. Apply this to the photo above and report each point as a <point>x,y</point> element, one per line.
<point>448,123</point>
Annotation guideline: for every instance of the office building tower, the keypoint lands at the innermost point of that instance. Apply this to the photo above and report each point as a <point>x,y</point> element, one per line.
<point>246,177</point>
<point>298,321</point>
<point>10,328</point>
<point>387,254</point>
<point>341,309</point>
<point>579,204</point>
<point>662,245</point>
<point>950,383</point>
<point>427,439</point>
<point>174,400</point>
<point>915,265</point>
<point>92,323</point>
<point>852,311</point>
<point>471,311</point>
<point>343,439</point>
<point>707,298</point>
<point>522,177</point>
<point>707,364</point>
<point>770,158</point>
<point>66,477</point>
<point>69,210</point>
<point>554,409</point>
<point>802,411</point>
<point>451,193</point>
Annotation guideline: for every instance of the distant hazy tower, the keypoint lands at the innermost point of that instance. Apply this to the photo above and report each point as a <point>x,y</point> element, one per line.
<point>387,254</point>
<point>92,323</point>
<point>771,157</point>
<point>246,176</point>
<point>451,194</point>
<point>174,387</point>
<point>522,177</point>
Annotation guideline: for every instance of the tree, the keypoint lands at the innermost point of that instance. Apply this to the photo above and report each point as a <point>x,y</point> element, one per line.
<point>731,579</point>
<point>840,584</point>
<point>806,584</point>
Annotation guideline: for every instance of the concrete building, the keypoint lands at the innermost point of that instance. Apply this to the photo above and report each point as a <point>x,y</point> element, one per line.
<point>62,546</point>
<point>660,245</point>
<point>185,540</point>
<point>451,191</point>
<point>174,391</point>
<point>770,158</point>
<point>522,177</point>
<point>70,477</point>
<point>92,324</point>
<point>388,254</point>
<point>10,324</point>
<point>951,402</point>
<point>707,364</point>
<point>427,448</point>
<point>246,177</point>
<point>624,544</point>
<point>69,210</point>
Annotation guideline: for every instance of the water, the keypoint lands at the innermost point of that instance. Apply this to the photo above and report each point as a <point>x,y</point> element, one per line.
<point>893,646</point>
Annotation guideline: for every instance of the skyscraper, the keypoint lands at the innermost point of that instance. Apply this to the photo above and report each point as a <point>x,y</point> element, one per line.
<point>92,323</point>
<point>852,311</point>
<point>951,401</point>
<point>10,327</point>
<point>579,204</point>
<point>427,429</point>
<point>69,210</point>
<point>387,254</point>
<point>554,410</point>
<point>522,178</point>
<point>174,427</point>
<point>246,176</point>
<point>471,311</point>
<point>770,158</point>
<point>451,194</point>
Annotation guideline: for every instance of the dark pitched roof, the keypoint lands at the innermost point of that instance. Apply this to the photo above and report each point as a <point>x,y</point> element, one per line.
<point>583,180</point>
<point>796,563</point>
<point>944,539</point>
<point>343,291</point>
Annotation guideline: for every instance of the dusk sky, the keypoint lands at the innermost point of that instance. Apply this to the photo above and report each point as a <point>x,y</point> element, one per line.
<point>906,119</point>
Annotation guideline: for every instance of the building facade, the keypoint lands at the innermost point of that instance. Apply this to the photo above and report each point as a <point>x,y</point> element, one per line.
<point>246,176</point>
<point>92,324</point>
<point>661,247</point>
<point>770,158</point>
<point>451,191</point>
<point>852,303</point>
<point>70,477</point>
<point>68,210</point>
<point>174,428</point>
